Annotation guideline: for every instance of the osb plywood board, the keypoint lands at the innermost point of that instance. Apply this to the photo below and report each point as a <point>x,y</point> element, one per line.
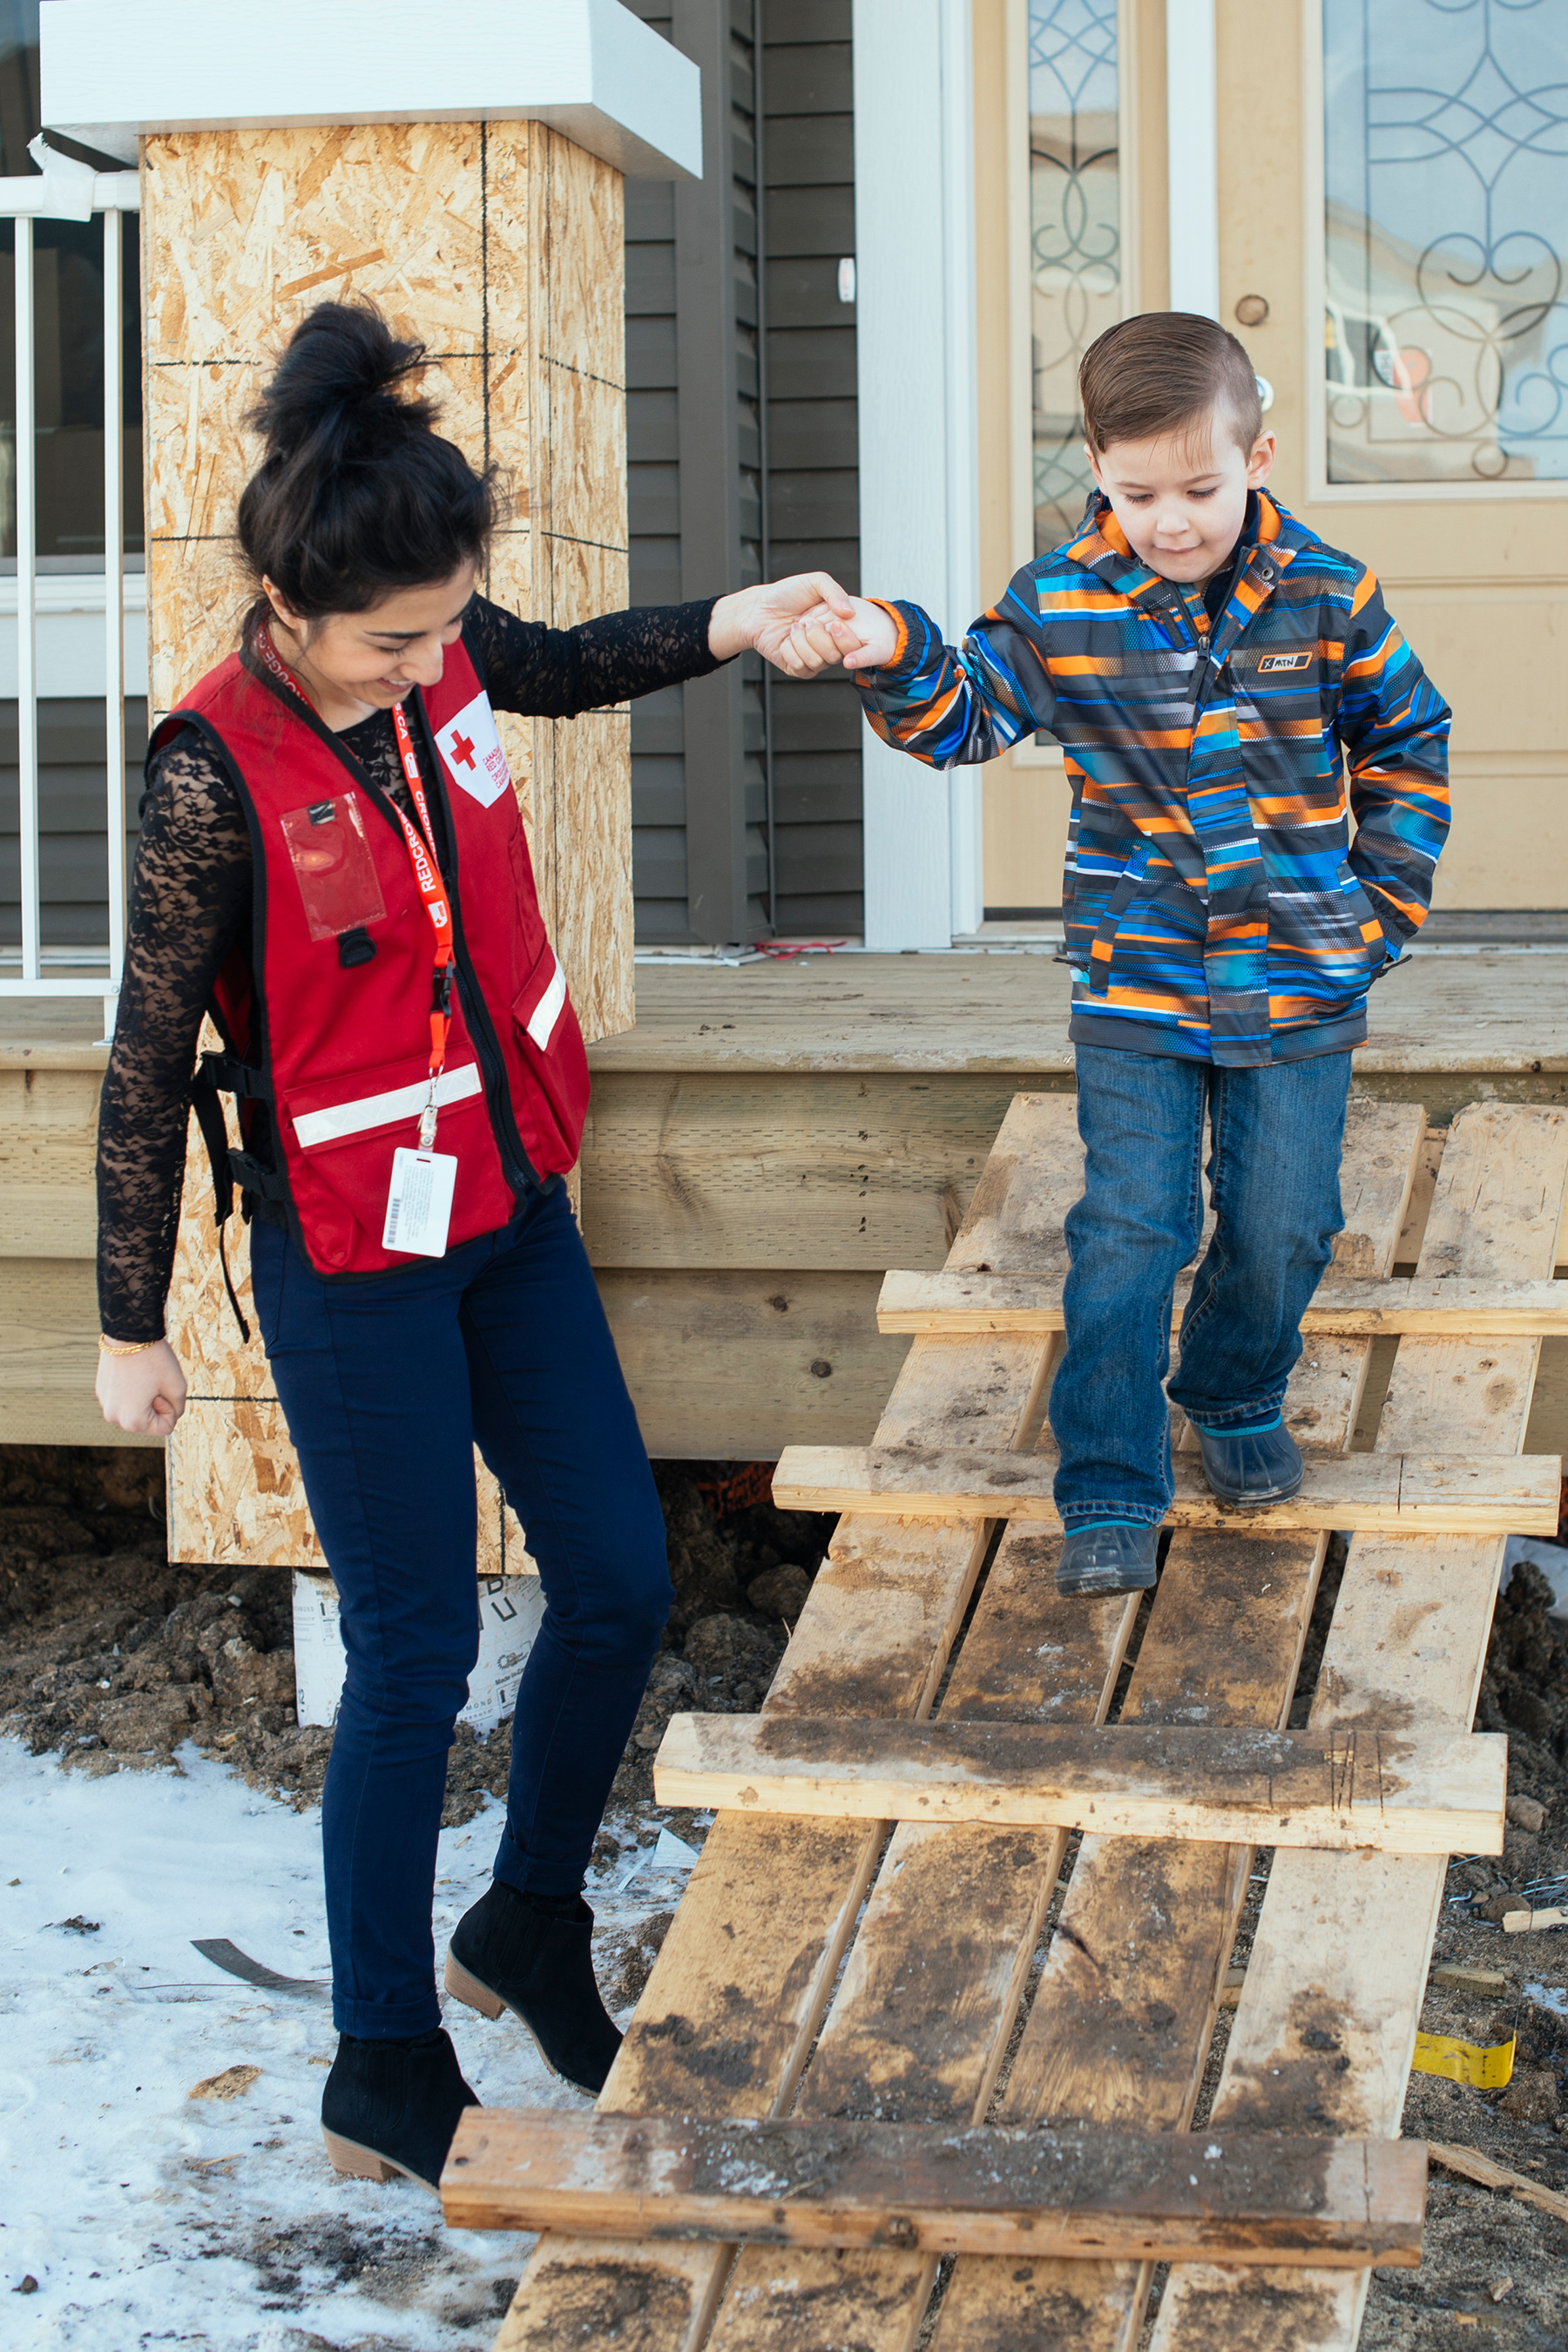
<point>501,248</point>
<point>244,230</point>
<point>590,868</point>
<point>237,1499</point>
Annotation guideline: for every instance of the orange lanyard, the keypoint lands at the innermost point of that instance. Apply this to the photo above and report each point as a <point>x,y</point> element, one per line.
<point>421,856</point>
<point>427,877</point>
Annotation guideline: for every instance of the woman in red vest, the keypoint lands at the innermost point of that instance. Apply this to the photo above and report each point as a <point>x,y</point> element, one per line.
<point>332,865</point>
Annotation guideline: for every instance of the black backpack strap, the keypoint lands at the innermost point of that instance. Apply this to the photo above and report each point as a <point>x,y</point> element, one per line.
<point>218,1073</point>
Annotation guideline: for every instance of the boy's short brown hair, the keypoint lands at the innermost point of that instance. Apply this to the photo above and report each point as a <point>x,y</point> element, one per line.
<point>1163,373</point>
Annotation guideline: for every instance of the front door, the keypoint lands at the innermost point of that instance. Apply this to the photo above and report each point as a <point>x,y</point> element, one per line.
<point>1394,229</point>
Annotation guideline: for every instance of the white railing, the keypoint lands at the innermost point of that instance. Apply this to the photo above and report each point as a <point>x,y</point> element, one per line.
<point>67,190</point>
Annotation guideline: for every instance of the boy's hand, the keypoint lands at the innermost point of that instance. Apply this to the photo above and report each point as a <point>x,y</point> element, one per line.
<point>868,639</point>
<point>766,617</point>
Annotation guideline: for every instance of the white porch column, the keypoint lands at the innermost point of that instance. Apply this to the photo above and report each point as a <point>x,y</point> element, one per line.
<point>1192,145</point>
<point>914,235</point>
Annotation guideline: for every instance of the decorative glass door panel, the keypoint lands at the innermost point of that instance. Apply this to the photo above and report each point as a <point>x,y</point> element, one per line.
<point>1074,237</point>
<point>1445,224</point>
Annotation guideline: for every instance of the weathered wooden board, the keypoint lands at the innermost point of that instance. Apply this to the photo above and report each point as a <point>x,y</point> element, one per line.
<point>1326,2019</point>
<point>1386,1493</point>
<point>1347,1310</point>
<point>992,2191</point>
<point>1408,1792</point>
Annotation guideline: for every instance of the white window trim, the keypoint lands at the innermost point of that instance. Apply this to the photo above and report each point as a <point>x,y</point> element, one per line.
<point>1192,155</point>
<point>914,206</point>
<point>1321,491</point>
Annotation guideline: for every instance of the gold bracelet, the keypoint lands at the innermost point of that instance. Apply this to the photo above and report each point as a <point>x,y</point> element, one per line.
<point>125,1346</point>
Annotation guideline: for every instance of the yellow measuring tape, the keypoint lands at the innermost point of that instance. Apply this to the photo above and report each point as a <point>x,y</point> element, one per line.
<point>1464,2062</point>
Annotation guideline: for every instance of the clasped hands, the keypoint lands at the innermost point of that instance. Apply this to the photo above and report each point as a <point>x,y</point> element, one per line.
<point>804,624</point>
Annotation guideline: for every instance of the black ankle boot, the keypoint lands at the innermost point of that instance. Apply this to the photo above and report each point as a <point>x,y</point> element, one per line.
<point>393,2106</point>
<point>504,1953</point>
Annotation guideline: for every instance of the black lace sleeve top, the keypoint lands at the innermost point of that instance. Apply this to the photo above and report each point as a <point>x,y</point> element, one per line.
<point>191,901</point>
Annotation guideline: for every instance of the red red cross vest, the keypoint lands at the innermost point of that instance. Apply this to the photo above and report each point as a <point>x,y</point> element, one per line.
<point>327,1016</point>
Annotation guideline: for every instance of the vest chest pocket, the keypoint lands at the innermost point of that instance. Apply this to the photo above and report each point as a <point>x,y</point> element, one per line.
<point>333,865</point>
<point>554,1104</point>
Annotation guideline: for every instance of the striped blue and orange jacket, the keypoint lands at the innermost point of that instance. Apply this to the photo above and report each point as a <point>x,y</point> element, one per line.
<point>1215,904</point>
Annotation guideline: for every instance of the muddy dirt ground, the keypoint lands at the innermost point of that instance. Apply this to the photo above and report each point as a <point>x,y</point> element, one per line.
<point>112,1657</point>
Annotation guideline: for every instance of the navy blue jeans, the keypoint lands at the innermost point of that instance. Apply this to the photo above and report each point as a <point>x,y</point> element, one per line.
<point>1276,1135</point>
<point>387,1386</point>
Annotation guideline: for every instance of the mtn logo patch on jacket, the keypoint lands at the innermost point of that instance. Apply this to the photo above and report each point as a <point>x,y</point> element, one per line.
<point>1216,903</point>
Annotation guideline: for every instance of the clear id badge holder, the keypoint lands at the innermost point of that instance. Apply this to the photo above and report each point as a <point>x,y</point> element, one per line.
<point>332,863</point>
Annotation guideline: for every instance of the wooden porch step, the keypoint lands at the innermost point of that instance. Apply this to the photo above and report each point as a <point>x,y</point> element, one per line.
<point>1366,1494</point>
<point>1446,1309</point>
<point>1342,1788</point>
<point>1125,2196</point>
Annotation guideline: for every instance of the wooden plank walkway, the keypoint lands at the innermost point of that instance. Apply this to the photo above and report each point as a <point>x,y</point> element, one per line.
<point>824,1969</point>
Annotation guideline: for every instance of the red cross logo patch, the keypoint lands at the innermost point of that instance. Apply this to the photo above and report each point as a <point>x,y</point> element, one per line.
<point>471,749</point>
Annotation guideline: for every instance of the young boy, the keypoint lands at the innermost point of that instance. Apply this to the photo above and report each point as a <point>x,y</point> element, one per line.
<point>1212,671</point>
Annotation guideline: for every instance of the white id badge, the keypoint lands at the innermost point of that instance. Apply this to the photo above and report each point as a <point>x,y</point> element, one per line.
<point>419,1206</point>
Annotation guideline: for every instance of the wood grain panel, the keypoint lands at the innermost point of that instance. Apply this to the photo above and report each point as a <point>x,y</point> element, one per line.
<point>738,1364</point>
<point>810,1170</point>
<point>48,1355</point>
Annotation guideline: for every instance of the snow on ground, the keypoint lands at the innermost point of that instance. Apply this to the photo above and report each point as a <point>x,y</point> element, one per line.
<point>148,2217</point>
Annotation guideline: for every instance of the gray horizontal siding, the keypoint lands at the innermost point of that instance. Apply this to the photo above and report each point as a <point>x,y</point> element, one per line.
<point>653,484</point>
<point>788,311</point>
<point>814,508</point>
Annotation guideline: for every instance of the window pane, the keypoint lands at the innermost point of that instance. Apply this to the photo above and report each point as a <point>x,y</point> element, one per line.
<point>1074,237</point>
<point>1446,142</point>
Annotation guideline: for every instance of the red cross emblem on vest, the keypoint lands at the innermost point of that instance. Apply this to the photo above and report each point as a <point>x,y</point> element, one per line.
<point>463,748</point>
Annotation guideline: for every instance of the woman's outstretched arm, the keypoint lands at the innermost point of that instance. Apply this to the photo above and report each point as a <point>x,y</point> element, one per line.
<point>555,672</point>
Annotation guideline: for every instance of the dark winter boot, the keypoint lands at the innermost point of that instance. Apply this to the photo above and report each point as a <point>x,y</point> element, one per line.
<point>1111,1557</point>
<point>530,1955</point>
<point>1260,1465</point>
<point>393,2106</point>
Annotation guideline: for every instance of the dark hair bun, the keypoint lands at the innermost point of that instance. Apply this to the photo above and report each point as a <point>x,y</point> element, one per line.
<point>357,494</point>
<point>335,388</point>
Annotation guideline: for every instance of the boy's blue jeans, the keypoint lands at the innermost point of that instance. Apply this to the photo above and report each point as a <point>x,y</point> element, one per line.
<point>1274,1175</point>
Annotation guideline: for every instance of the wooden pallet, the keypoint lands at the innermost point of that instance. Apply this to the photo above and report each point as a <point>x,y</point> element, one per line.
<point>825,1968</point>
